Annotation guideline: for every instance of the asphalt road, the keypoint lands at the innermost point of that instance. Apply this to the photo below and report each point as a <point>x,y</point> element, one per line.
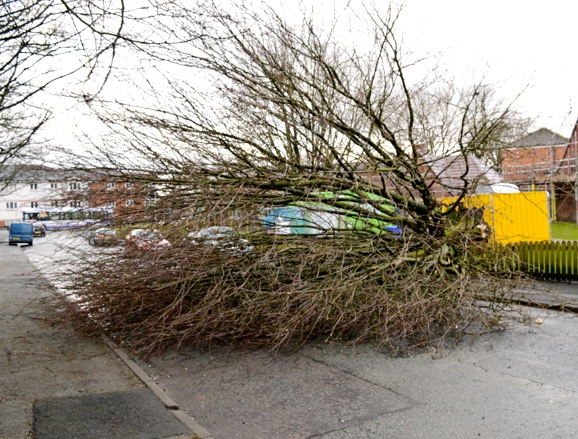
<point>54,254</point>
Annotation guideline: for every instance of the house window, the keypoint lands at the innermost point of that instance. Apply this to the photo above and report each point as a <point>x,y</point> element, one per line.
<point>34,204</point>
<point>73,186</point>
<point>11,205</point>
<point>111,205</point>
<point>129,202</point>
<point>11,187</point>
<point>75,203</point>
<point>53,185</point>
<point>128,185</point>
<point>54,203</point>
<point>110,186</point>
<point>33,186</point>
<point>151,199</point>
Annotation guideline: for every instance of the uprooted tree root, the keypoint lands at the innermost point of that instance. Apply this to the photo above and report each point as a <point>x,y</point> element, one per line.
<point>289,290</point>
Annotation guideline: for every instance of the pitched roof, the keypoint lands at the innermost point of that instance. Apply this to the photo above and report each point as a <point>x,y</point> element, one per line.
<point>453,169</point>
<point>23,173</point>
<point>542,137</point>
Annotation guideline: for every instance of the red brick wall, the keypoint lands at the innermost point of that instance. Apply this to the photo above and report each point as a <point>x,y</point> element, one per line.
<point>535,164</point>
<point>100,195</point>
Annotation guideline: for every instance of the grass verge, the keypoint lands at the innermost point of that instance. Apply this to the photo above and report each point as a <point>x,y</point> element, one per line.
<point>565,231</point>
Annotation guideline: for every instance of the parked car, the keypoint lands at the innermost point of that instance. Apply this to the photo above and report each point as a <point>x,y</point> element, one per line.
<point>145,240</point>
<point>103,236</point>
<point>39,229</point>
<point>20,233</point>
<point>226,239</point>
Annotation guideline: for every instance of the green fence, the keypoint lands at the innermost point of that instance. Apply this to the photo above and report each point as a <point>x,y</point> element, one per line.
<point>548,260</point>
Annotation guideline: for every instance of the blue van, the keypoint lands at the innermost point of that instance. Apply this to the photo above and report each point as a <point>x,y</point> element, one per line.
<point>20,233</point>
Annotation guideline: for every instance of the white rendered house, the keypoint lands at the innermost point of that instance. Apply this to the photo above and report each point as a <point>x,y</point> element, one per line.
<point>31,187</point>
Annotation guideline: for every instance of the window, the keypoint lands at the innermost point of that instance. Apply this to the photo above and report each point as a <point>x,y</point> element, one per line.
<point>151,199</point>
<point>75,203</point>
<point>34,204</point>
<point>53,185</point>
<point>110,186</point>
<point>33,186</point>
<point>11,205</point>
<point>128,185</point>
<point>54,203</point>
<point>111,205</point>
<point>129,202</point>
<point>73,186</point>
<point>11,187</point>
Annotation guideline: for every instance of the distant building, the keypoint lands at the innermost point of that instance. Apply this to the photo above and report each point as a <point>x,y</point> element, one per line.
<point>39,187</point>
<point>125,198</point>
<point>544,160</point>
<point>30,187</point>
<point>449,175</point>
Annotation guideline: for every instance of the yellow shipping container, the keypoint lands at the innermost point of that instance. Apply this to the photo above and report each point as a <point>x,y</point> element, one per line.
<point>521,217</point>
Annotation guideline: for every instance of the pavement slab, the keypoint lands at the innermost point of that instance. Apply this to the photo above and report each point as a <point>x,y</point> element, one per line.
<point>132,414</point>
<point>259,396</point>
<point>546,353</point>
<point>492,387</point>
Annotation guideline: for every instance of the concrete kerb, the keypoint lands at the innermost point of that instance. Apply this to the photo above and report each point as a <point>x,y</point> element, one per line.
<point>171,405</point>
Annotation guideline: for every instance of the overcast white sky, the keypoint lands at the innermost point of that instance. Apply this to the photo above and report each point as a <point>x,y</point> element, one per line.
<point>522,45</point>
<point>519,47</point>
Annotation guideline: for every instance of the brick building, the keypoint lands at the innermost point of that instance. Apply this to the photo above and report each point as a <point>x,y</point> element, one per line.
<point>544,160</point>
<point>125,198</point>
<point>26,187</point>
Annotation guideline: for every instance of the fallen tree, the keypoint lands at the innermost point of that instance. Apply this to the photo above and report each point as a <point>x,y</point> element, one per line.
<point>293,112</point>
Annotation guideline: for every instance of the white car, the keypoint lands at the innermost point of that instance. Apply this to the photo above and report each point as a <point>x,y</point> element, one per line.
<point>224,238</point>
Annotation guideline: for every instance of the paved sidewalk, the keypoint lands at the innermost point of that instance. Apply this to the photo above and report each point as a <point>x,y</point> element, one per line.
<point>507,385</point>
<point>512,385</point>
<point>555,296</point>
<point>56,384</point>
<point>515,384</point>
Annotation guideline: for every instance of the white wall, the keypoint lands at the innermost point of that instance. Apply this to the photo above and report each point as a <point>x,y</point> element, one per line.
<point>22,195</point>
